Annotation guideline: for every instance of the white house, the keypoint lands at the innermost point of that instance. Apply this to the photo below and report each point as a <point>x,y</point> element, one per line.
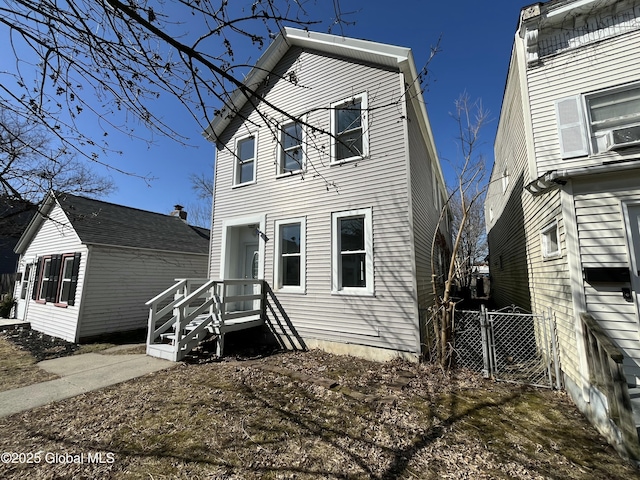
<point>327,192</point>
<point>329,188</point>
<point>563,206</point>
<point>87,267</point>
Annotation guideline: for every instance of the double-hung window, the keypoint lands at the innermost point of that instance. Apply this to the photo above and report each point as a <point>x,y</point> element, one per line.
<point>599,122</point>
<point>245,164</point>
<point>292,156</point>
<point>290,255</point>
<point>352,252</point>
<point>57,279</point>
<point>349,129</point>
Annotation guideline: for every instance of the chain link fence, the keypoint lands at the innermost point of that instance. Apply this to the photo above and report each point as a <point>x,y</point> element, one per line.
<point>509,345</point>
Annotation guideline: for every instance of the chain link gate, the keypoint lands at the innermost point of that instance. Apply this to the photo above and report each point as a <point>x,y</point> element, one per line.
<point>508,345</point>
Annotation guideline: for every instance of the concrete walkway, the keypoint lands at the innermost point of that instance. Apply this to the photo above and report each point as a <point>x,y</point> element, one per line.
<point>79,374</point>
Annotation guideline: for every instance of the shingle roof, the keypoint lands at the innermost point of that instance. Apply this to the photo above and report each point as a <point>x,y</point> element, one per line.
<point>98,222</point>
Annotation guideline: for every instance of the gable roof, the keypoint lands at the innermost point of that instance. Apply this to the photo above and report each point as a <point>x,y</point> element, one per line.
<point>102,223</point>
<point>359,50</point>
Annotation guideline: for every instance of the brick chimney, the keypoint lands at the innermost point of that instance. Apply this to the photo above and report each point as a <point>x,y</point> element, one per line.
<point>179,212</point>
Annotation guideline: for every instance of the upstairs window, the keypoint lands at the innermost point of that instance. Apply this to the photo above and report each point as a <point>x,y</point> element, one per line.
<point>57,278</point>
<point>291,158</point>
<point>599,122</point>
<point>349,139</point>
<point>245,165</point>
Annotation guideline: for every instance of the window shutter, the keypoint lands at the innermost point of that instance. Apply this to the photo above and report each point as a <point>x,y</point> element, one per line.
<point>74,279</point>
<point>52,289</point>
<point>36,281</point>
<point>572,131</point>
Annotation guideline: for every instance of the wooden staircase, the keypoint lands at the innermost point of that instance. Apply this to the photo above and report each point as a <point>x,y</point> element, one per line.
<point>192,310</point>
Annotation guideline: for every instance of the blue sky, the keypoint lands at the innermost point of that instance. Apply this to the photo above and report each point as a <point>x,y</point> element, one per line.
<point>476,40</point>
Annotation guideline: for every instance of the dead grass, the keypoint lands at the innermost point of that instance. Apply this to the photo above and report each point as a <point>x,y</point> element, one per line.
<point>18,368</point>
<point>313,415</point>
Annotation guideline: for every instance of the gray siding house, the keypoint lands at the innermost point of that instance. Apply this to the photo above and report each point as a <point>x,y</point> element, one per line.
<point>329,189</point>
<point>563,206</point>
<point>87,267</point>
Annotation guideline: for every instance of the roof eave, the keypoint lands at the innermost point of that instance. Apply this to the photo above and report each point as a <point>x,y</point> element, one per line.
<point>388,55</point>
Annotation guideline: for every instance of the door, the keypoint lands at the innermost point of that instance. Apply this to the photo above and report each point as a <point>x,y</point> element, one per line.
<point>23,296</point>
<point>250,271</point>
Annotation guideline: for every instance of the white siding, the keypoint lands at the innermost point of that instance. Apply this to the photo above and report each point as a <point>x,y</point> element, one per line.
<point>120,280</point>
<point>603,243</point>
<point>506,232</point>
<point>379,182</point>
<point>55,236</point>
<point>578,72</point>
<point>425,215</point>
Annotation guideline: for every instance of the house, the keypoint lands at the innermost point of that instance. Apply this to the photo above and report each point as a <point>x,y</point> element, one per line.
<point>87,267</point>
<point>563,206</point>
<point>328,192</point>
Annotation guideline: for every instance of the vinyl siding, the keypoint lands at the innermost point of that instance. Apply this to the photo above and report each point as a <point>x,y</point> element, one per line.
<point>425,216</point>
<point>564,75</point>
<point>55,236</point>
<point>603,243</point>
<point>120,280</point>
<point>379,182</point>
<point>506,232</point>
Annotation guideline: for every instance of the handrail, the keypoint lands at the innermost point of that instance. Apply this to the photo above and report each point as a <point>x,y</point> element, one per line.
<point>606,372</point>
<point>169,291</point>
<point>186,306</point>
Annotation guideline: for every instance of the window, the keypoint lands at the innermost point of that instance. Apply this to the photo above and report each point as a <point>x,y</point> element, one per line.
<point>57,278</point>
<point>505,180</point>
<point>550,241</point>
<point>290,255</point>
<point>349,135</point>
<point>245,171</point>
<point>291,157</point>
<point>352,259</point>
<point>599,122</point>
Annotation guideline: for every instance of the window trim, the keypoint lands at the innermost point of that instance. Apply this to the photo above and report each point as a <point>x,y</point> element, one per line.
<point>56,269</point>
<point>278,268</point>
<point>336,256</point>
<point>281,150</point>
<point>237,162</point>
<point>63,263</point>
<point>40,298</point>
<point>544,236</point>
<point>364,122</point>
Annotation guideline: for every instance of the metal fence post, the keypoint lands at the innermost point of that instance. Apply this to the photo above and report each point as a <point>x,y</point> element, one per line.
<point>484,326</point>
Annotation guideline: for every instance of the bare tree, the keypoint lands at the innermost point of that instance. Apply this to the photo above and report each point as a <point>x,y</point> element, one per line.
<point>201,209</point>
<point>467,191</point>
<point>473,242</point>
<point>122,60</point>
<point>26,175</point>
<point>117,59</point>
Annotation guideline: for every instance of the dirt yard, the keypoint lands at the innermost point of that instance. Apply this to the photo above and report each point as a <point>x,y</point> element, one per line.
<point>309,415</point>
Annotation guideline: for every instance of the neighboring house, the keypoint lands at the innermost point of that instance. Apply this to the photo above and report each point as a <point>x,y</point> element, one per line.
<point>563,206</point>
<point>87,267</point>
<point>334,204</point>
<point>14,217</point>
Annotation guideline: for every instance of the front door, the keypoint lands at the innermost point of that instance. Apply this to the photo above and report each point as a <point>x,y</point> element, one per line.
<point>23,295</point>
